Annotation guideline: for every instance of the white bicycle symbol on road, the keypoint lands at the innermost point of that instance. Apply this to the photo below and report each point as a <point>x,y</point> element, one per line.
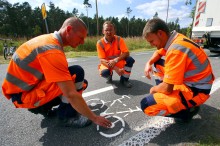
<point>118,124</point>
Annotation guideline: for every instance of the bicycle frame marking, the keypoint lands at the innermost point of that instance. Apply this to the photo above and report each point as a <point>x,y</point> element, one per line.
<point>113,125</point>
<point>102,103</point>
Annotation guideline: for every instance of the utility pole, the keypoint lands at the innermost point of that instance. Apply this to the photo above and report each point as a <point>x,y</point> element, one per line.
<point>128,12</point>
<point>97,18</point>
<point>87,5</point>
<point>168,5</point>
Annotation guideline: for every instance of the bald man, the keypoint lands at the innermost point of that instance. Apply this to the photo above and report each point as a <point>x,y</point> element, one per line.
<point>39,78</point>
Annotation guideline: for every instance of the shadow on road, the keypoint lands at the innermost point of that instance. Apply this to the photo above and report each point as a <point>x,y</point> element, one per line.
<point>138,88</point>
<point>88,136</point>
<point>204,130</point>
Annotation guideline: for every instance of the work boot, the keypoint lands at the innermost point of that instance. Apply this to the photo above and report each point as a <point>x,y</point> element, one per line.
<point>109,79</point>
<point>193,111</point>
<point>188,116</point>
<point>77,122</point>
<point>49,113</point>
<point>126,83</point>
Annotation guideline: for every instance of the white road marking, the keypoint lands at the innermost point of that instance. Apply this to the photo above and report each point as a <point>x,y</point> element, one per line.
<point>160,125</point>
<point>148,131</point>
<point>94,92</point>
<point>140,54</point>
<point>215,86</point>
<point>71,60</point>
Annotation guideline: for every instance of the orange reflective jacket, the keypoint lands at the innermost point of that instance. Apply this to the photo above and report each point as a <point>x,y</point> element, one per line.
<point>186,63</point>
<point>41,58</point>
<point>112,50</point>
<point>108,51</point>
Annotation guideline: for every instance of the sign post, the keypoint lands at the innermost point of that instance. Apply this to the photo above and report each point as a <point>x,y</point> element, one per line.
<point>44,14</point>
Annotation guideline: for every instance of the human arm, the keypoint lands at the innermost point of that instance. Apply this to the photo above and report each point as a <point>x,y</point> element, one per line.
<point>79,104</point>
<point>162,88</point>
<point>122,56</point>
<point>148,69</point>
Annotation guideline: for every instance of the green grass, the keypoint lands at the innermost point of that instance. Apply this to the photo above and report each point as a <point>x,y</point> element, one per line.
<point>135,44</point>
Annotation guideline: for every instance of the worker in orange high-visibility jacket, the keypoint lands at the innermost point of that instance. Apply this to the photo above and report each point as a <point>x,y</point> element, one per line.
<point>184,76</point>
<point>114,55</point>
<point>38,77</point>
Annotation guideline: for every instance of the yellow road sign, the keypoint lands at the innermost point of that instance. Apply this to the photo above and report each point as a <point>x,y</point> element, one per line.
<point>43,10</point>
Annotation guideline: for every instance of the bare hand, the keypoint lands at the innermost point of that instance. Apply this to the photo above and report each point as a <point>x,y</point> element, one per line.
<point>102,121</point>
<point>148,70</point>
<point>152,91</point>
<point>111,63</point>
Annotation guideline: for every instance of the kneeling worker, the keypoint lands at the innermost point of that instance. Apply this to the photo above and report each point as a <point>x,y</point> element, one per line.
<point>114,55</point>
<point>184,77</point>
<point>38,77</point>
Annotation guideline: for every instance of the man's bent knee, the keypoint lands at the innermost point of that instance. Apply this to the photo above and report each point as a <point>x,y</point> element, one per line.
<point>105,73</point>
<point>78,71</point>
<point>129,61</point>
<point>147,101</point>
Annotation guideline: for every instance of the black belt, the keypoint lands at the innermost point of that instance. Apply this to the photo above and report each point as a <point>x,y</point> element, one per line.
<point>195,91</point>
<point>16,97</point>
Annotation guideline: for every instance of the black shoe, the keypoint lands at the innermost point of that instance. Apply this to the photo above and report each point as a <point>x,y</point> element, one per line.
<point>125,83</point>
<point>109,79</point>
<point>188,116</point>
<point>78,122</point>
<point>46,113</point>
<point>193,111</point>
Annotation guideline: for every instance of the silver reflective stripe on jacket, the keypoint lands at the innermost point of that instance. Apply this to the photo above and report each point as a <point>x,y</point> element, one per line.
<point>24,64</point>
<point>203,83</point>
<point>102,46</point>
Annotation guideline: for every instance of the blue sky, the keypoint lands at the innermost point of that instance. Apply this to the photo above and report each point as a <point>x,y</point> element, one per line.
<point>144,9</point>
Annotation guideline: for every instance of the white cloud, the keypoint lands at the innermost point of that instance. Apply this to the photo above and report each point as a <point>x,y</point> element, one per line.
<point>103,2</point>
<point>177,8</point>
<point>129,1</point>
<point>160,6</point>
<point>69,5</point>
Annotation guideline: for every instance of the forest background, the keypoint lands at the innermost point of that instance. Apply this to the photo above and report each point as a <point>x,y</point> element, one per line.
<point>20,22</point>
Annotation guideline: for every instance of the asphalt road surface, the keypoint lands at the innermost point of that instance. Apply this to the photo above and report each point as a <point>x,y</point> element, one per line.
<point>18,127</point>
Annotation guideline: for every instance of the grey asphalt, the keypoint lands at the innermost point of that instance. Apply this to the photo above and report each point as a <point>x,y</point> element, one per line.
<point>18,127</point>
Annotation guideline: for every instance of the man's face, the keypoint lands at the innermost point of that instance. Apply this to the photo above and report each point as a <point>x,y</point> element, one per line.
<point>108,31</point>
<point>156,40</point>
<point>76,37</point>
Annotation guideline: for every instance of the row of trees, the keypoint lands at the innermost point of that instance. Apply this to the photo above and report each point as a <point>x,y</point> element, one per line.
<point>20,20</point>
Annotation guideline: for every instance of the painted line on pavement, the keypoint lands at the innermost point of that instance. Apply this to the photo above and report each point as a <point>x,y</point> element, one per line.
<point>160,125</point>
<point>215,86</point>
<point>148,131</point>
<point>137,54</point>
<point>94,92</point>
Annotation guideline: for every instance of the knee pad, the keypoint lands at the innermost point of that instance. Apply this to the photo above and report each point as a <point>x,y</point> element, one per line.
<point>105,73</point>
<point>85,84</point>
<point>129,61</point>
<point>65,110</point>
<point>159,62</point>
<point>79,71</point>
<point>147,101</point>
<point>158,81</point>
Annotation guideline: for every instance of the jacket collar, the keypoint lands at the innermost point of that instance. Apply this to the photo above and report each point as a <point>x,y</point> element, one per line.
<point>173,36</point>
<point>58,37</point>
